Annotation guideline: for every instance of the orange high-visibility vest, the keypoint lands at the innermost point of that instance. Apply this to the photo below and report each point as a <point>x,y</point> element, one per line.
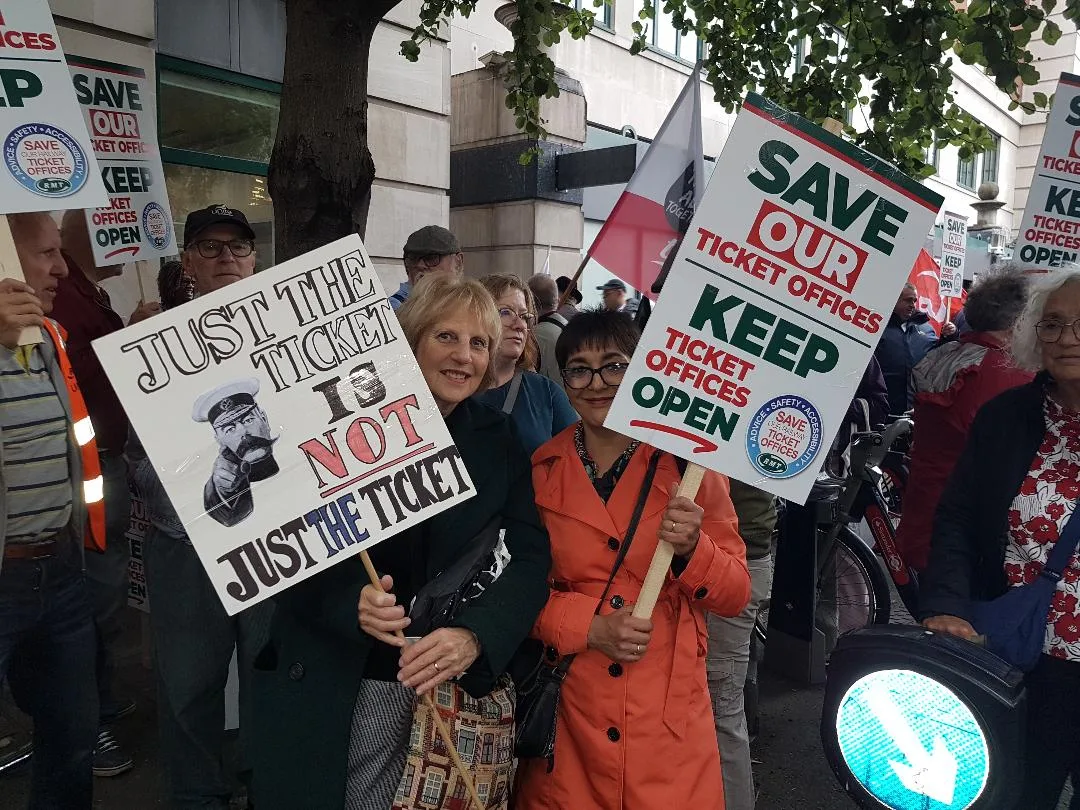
<point>93,484</point>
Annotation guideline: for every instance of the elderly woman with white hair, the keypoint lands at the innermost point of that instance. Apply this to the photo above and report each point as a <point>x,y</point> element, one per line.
<point>1010,496</point>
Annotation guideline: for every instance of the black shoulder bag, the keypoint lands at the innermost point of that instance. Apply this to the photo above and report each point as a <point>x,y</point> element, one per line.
<point>538,698</point>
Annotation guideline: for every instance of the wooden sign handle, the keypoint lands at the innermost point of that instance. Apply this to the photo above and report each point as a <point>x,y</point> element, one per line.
<point>11,267</point>
<point>661,561</point>
<point>444,732</point>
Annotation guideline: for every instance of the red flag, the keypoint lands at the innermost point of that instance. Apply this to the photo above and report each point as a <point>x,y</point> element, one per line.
<point>655,210</point>
<point>926,276</point>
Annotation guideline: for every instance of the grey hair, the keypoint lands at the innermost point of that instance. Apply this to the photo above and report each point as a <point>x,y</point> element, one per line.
<point>995,303</point>
<point>1025,343</point>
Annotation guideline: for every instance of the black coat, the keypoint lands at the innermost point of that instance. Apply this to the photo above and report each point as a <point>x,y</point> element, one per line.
<point>971,526</point>
<point>306,680</point>
<point>898,351</point>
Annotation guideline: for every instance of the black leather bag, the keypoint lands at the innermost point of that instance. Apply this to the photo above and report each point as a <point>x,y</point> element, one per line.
<point>538,695</point>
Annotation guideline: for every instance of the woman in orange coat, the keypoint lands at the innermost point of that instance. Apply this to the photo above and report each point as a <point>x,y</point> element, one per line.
<point>635,727</point>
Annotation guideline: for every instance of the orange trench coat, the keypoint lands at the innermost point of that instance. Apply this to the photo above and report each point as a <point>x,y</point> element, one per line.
<point>630,736</point>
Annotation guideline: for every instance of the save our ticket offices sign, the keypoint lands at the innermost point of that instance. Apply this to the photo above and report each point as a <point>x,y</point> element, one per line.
<point>953,251</point>
<point>48,161</point>
<point>775,302</point>
<point>116,101</point>
<point>1050,230</point>
<point>288,421</point>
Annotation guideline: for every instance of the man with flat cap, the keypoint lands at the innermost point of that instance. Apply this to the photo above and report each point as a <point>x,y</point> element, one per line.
<point>246,455</point>
<point>194,638</point>
<point>432,249</point>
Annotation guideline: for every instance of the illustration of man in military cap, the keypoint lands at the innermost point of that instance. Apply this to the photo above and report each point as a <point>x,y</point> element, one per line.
<point>242,431</point>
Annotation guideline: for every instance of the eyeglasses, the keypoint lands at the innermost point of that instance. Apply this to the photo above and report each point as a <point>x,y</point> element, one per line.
<point>1051,331</point>
<point>211,248</point>
<point>579,377</point>
<point>431,261</point>
<point>510,317</point>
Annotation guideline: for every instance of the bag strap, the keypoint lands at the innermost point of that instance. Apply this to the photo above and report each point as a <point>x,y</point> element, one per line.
<point>1064,548</point>
<point>555,318</point>
<point>631,530</point>
<point>512,393</point>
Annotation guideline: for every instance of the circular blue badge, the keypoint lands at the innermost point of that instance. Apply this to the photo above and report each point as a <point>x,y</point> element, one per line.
<point>156,226</point>
<point>45,160</point>
<point>784,436</point>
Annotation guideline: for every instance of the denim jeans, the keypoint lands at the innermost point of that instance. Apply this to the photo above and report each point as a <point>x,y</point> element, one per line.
<point>107,579</point>
<point>47,655</point>
<point>726,664</point>
<point>194,639</point>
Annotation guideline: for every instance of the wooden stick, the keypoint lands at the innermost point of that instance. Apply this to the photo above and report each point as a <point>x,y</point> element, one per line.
<point>573,282</point>
<point>142,290</point>
<point>661,561</point>
<point>11,267</point>
<point>444,732</point>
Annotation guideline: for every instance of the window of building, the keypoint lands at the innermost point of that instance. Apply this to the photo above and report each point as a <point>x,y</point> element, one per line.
<point>603,14</point>
<point>466,744</point>
<point>930,156</point>
<point>990,161</point>
<point>965,173</point>
<point>217,129</point>
<point>433,785</point>
<point>661,34</point>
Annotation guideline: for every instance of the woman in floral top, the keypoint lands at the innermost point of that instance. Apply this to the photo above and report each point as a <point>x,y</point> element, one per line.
<point>1012,492</point>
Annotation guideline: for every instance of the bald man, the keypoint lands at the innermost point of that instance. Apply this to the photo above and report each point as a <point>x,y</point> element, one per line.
<point>47,646</point>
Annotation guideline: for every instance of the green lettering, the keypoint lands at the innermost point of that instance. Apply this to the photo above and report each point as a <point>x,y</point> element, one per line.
<point>886,219</point>
<point>698,414</point>
<point>778,178</point>
<point>781,342</point>
<point>676,401</point>
<point>813,188</point>
<point>844,215</point>
<point>724,422</point>
<point>819,355</point>
<point>648,392</point>
<point>711,311</point>
<point>752,323</point>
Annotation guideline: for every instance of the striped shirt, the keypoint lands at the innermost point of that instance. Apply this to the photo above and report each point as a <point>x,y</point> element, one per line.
<point>34,429</point>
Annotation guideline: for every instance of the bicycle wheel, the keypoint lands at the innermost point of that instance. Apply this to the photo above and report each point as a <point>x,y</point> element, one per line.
<point>853,588</point>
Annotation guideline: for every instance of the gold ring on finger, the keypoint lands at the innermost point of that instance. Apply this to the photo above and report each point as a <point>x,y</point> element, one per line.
<point>639,649</point>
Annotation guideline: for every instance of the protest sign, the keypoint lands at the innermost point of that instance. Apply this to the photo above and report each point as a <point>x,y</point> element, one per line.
<point>48,162</point>
<point>1050,230</point>
<point>775,302</point>
<point>136,536</point>
<point>953,250</point>
<point>287,420</point>
<point>138,222</point>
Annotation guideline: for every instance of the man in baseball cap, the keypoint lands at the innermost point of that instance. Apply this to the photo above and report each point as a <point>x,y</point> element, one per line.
<point>432,249</point>
<point>219,247</point>
<point>614,292</point>
<point>246,449</point>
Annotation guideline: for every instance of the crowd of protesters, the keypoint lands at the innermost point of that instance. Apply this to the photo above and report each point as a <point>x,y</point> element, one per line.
<point>568,511</point>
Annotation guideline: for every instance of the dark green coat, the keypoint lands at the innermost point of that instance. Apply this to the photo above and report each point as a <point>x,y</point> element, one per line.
<point>306,680</point>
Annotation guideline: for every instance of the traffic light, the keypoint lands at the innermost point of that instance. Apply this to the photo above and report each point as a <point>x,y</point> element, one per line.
<point>914,720</point>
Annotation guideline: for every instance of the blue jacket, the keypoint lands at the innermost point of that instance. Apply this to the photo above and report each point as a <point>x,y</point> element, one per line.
<point>898,352</point>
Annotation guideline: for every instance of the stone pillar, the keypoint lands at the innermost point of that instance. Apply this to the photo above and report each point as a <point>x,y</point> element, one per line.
<point>505,214</point>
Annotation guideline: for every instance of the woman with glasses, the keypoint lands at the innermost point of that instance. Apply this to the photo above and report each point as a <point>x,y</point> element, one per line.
<point>635,724</point>
<point>537,406</point>
<point>1010,496</point>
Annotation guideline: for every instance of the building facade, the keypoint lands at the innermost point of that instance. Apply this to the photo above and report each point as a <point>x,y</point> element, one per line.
<point>217,66</point>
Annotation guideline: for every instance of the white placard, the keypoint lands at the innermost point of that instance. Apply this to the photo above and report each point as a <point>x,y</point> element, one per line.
<point>953,251</point>
<point>48,161</point>
<point>138,223</point>
<point>775,302</point>
<point>287,420</point>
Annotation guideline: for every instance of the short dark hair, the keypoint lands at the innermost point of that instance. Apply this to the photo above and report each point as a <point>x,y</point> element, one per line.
<point>994,304</point>
<point>596,328</point>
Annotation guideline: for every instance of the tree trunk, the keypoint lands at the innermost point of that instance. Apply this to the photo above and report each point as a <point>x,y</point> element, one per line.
<point>321,170</point>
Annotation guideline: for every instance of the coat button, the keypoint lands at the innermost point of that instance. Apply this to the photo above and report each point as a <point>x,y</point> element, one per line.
<point>551,653</point>
<point>615,670</point>
<point>296,672</point>
<point>613,544</point>
<point>701,593</point>
<point>613,734</point>
<point>617,602</point>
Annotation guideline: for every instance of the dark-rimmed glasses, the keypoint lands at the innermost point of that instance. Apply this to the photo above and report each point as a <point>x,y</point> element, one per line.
<point>1051,331</point>
<point>579,377</point>
<point>510,316</point>
<point>212,248</point>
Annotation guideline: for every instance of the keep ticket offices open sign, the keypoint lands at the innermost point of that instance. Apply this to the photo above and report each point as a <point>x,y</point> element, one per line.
<point>48,162</point>
<point>775,302</point>
<point>1050,232</point>
<point>138,223</point>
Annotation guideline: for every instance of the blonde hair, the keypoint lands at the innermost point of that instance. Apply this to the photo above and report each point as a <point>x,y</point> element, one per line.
<point>498,284</point>
<point>1025,343</point>
<point>439,296</point>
